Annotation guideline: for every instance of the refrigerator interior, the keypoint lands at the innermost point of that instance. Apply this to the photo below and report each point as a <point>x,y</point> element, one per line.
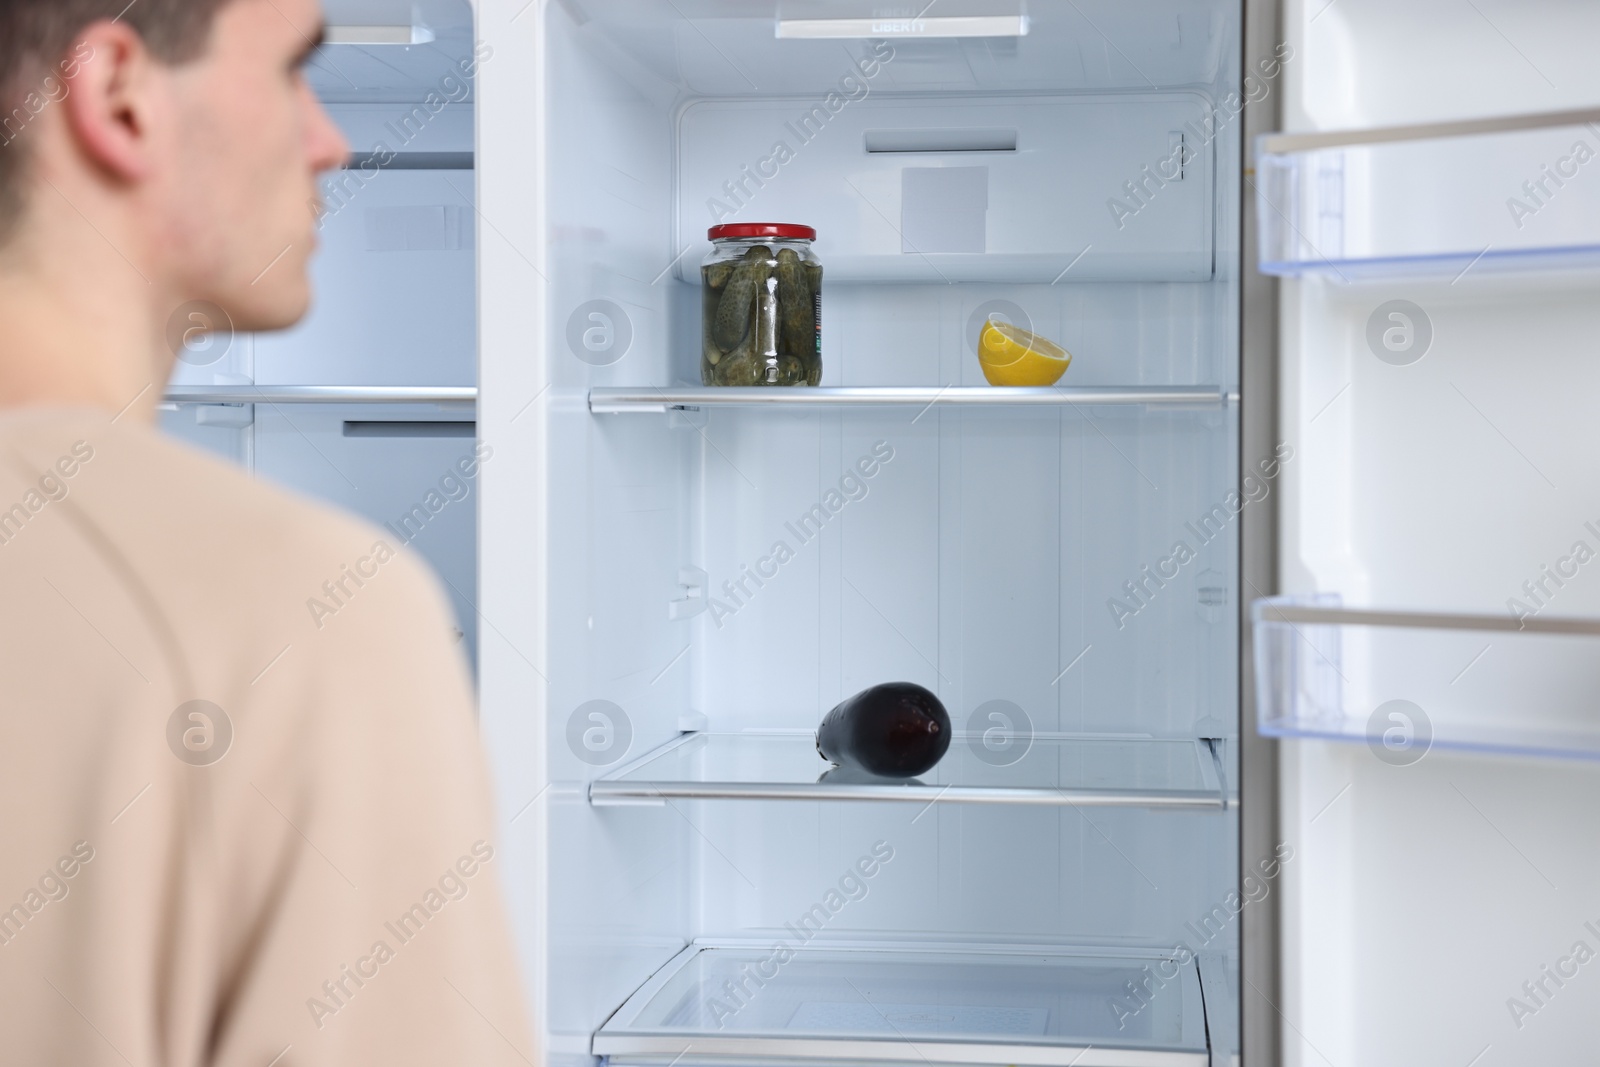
<point>734,572</point>
<point>395,304</point>
<point>1442,880</point>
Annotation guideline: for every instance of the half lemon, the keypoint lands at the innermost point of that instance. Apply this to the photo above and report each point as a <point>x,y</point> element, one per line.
<point>1010,355</point>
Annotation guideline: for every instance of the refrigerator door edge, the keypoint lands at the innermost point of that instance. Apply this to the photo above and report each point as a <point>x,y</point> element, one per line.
<point>1259,998</point>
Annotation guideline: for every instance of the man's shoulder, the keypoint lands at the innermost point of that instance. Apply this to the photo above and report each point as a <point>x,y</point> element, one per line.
<point>205,525</point>
<point>240,518</point>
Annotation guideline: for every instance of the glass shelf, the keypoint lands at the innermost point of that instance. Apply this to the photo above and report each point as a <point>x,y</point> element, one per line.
<point>1406,682</point>
<point>927,1004</point>
<point>1492,194</point>
<point>1097,771</point>
<point>614,401</point>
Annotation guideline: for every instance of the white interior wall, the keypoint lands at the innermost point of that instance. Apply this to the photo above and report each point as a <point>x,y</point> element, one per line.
<point>979,562</point>
<point>621,888</point>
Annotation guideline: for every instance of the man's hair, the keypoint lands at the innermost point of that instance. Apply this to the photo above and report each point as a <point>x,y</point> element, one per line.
<point>35,36</point>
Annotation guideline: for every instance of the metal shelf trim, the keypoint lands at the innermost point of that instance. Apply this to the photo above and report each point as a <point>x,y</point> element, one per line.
<point>613,401</point>
<point>1284,143</point>
<point>604,793</point>
<point>620,789</point>
<point>321,394</point>
<point>832,1050</point>
<point>1424,620</point>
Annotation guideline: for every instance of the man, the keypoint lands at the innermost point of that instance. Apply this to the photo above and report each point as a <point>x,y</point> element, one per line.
<point>232,836</point>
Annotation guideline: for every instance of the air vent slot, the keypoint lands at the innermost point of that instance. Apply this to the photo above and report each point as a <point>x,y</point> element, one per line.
<point>434,428</point>
<point>937,140</point>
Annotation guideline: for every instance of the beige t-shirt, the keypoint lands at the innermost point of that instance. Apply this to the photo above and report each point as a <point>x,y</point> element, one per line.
<point>299,870</point>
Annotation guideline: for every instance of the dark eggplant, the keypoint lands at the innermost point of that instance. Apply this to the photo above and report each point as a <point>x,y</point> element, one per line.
<point>894,730</point>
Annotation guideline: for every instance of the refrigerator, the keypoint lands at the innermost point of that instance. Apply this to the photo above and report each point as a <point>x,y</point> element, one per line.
<point>680,581</point>
<point>1265,633</point>
<point>369,403</point>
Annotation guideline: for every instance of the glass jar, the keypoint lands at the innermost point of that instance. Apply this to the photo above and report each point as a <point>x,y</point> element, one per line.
<point>762,306</point>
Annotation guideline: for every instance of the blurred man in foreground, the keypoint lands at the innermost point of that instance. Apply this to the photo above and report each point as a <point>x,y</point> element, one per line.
<point>235,833</point>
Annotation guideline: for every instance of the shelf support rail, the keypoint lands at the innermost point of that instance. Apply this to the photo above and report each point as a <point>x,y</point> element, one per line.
<point>1273,144</point>
<point>1267,611</point>
<point>322,394</point>
<point>612,401</point>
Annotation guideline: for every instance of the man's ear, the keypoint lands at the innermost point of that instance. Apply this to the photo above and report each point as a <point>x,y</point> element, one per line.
<point>109,104</point>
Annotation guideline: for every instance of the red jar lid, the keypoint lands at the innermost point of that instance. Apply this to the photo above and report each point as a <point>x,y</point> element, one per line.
<point>762,229</point>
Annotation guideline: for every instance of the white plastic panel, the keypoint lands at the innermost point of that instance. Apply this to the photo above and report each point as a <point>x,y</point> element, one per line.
<point>1374,63</point>
<point>981,559</point>
<point>1440,477</point>
<point>1109,212</point>
<point>387,314</point>
<point>1105,876</point>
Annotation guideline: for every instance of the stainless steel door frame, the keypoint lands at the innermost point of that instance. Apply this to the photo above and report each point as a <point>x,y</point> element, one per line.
<point>1259,993</point>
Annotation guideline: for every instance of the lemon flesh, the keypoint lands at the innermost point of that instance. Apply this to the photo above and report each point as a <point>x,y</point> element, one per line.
<point>1010,355</point>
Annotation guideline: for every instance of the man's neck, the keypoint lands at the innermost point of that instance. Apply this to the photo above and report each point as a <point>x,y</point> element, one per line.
<point>76,330</point>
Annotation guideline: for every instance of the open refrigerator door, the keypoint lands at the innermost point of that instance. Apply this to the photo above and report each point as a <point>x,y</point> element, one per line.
<point>1432,214</point>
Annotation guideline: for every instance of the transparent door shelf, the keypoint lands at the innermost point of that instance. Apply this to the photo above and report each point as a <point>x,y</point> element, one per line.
<point>1085,771</point>
<point>615,401</point>
<point>1404,682</point>
<point>935,1004</point>
<point>1505,193</point>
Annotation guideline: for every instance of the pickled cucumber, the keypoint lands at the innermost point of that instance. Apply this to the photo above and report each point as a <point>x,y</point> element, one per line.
<point>716,275</point>
<point>742,366</point>
<point>814,276</point>
<point>797,306</point>
<point>812,357</point>
<point>734,319</point>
